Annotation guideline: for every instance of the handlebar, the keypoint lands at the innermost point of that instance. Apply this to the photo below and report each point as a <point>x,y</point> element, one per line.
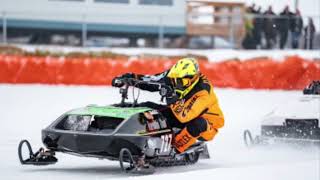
<point>165,91</point>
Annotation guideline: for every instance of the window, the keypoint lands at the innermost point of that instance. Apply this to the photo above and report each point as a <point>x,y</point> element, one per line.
<point>156,2</point>
<point>112,1</point>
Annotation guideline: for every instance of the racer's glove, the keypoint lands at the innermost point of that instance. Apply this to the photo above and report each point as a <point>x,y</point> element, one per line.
<point>168,93</point>
<point>117,82</point>
<point>128,76</point>
<point>172,99</point>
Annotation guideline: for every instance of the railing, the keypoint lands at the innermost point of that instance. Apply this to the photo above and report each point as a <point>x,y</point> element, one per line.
<point>237,28</point>
<point>159,25</point>
<point>84,24</point>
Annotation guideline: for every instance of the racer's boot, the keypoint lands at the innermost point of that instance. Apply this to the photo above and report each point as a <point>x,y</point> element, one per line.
<point>183,140</point>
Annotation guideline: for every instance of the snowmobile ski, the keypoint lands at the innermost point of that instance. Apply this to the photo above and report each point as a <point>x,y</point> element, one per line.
<point>41,157</point>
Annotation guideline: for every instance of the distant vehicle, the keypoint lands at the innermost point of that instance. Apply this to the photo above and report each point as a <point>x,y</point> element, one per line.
<point>297,123</point>
<point>205,42</point>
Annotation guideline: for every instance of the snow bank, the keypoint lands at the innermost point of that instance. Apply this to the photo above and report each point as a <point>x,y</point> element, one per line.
<point>214,55</point>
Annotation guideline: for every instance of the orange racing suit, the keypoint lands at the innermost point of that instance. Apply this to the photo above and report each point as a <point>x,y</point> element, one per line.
<point>197,113</point>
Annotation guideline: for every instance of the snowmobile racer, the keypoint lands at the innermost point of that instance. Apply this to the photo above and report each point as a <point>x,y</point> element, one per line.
<point>191,103</point>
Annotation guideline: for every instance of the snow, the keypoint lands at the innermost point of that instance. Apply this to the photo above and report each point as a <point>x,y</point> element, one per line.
<point>26,109</point>
<point>211,54</point>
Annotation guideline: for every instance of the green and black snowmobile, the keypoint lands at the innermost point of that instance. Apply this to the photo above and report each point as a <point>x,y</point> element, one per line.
<point>119,132</point>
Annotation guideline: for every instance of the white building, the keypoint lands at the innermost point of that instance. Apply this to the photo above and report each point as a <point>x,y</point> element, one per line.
<point>122,18</point>
<point>117,17</point>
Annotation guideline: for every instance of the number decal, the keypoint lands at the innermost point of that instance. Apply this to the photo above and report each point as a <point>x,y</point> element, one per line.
<point>166,142</point>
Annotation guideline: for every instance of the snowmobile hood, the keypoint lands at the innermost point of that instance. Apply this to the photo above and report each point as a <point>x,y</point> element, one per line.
<point>109,111</point>
<point>306,107</point>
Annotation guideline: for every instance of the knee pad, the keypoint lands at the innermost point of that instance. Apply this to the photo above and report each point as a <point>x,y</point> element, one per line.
<point>197,126</point>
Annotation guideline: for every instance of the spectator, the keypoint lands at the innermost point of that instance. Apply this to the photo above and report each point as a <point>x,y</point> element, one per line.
<point>248,41</point>
<point>257,27</point>
<point>284,25</point>
<point>269,27</point>
<point>251,9</point>
<point>296,29</point>
<point>309,31</point>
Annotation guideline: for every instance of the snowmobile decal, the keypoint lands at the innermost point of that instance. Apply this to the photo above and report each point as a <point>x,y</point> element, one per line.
<point>109,111</point>
<point>166,142</point>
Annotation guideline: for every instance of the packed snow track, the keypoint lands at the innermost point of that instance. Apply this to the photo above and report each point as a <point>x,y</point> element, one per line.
<point>26,109</point>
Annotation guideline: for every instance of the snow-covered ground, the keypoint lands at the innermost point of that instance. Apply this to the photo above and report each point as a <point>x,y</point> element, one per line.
<point>211,54</point>
<point>26,109</point>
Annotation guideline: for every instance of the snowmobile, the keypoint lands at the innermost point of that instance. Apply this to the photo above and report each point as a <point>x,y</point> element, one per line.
<point>120,132</point>
<point>296,124</point>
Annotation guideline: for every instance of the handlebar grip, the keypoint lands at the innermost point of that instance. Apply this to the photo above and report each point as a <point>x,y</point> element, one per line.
<point>166,91</point>
<point>117,82</point>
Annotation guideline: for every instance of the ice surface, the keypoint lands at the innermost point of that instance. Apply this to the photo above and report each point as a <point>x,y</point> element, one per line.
<point>26,109</point>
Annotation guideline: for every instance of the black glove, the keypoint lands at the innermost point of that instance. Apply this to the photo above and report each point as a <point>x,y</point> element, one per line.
<point>169,94</point>
<point>117,82</point>
<point>166,91</point>
<point>172,99</point>
<point>128,75</point>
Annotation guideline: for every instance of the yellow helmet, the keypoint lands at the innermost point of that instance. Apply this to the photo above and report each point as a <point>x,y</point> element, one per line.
<point>184,75</point>
<point>186,67</point>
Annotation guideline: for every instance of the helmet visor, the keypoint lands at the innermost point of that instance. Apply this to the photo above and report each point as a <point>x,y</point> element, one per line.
<point>181,83</point>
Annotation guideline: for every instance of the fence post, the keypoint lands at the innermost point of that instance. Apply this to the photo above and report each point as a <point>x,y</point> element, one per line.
<point>4,28</point>
<point>231,31</point>
<point>84,30</point>
<point>296,4</point>
<point>160,32</point>
<point>308,37</point>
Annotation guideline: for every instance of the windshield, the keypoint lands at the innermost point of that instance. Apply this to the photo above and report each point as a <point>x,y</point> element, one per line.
<point>77,122</point>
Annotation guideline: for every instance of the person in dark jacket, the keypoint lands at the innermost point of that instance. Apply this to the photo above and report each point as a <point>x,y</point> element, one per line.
<point>269,27</point>
<point>257,27</point>
<point>284,25</point>
<point>251,9</point>
<point>249,41</point>
<point>296,29</point>
<point>309,31</point>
